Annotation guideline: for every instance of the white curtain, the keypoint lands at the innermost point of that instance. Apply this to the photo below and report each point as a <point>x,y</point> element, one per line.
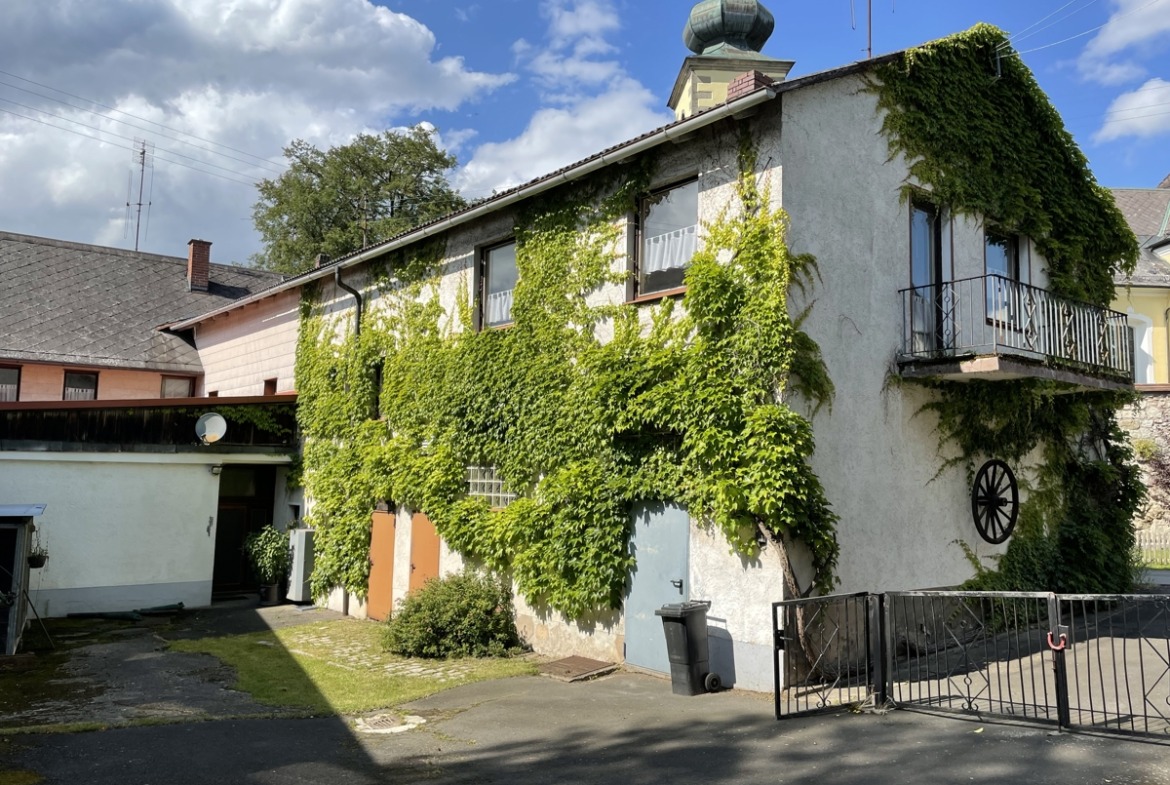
<point>670,250</point>
<point>499,307</point>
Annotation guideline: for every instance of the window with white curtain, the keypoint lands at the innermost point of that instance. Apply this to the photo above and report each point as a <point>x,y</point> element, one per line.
<point>668,234</point>
<point>80,386</point>
<point>497,283</point>
<point>9,384</point>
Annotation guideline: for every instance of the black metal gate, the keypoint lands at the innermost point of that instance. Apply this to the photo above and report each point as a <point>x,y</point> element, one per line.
<point>1078,661</point>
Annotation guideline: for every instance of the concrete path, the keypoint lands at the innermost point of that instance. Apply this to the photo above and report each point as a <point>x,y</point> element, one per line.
<point>625,728</point>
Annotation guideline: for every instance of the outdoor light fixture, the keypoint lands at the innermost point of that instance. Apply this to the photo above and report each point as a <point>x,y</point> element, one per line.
<point>215,469</point>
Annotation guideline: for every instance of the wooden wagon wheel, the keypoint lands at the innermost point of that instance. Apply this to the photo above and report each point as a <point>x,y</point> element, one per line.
<point>995,501</point>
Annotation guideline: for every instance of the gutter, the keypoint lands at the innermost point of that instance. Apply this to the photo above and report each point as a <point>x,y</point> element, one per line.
<point>357,319</point>
<point>671,132</point>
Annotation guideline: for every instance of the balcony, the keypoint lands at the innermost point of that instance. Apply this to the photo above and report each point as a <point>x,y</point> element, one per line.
<point>992,327</point>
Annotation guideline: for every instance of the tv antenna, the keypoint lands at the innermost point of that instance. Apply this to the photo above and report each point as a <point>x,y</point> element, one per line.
<point>142,156</point>
<point>869,23</point>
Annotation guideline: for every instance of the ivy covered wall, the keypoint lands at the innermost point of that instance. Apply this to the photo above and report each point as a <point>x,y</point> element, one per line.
<point>586,405</point>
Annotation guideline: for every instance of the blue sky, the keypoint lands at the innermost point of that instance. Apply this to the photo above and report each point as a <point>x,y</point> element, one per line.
<point>514,88</point>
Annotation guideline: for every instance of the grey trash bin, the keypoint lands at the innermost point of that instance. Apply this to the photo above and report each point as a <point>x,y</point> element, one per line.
<point>685,625</point>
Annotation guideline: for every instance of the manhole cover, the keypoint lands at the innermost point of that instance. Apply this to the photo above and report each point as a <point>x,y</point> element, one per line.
<point>388,723</point>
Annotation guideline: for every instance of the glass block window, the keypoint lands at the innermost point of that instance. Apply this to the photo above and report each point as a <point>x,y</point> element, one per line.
<point>482,482</point>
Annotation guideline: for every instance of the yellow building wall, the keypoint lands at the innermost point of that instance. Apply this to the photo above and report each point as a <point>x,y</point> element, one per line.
<point>1148,307</point>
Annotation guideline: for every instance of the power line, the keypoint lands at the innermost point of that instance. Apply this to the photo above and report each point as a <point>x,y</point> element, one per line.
<point>124,147</point>
<point>265,159</point>
<point>1112,19</point>
<point>275,167</point>
<point>1020,35</point>
<point>121,136</point>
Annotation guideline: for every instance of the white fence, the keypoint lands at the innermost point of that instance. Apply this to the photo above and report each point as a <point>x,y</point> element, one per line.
<point>1155,547</point>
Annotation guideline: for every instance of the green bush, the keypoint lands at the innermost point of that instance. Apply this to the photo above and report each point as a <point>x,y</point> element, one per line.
<point>464,615</point>
<point>269,552</point>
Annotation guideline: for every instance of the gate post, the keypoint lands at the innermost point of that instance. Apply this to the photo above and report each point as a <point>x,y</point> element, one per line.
<point>875,632</point>
<point>1057,641</point>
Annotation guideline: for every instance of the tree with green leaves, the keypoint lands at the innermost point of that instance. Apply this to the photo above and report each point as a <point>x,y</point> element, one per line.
<point>340,200</point>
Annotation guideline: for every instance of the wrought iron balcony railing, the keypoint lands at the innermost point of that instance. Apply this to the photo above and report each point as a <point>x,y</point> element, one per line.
<point>992,315</point>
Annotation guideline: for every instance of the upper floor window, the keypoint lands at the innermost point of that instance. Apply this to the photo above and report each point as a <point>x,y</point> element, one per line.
<point>498,277</point>
<point>1003,257</point>
<point>80,386</point>
<point>270,387</point>
<point>1006,265</point>
<point>178,387</point>
<point>9,384</point>
<point>668,226</point>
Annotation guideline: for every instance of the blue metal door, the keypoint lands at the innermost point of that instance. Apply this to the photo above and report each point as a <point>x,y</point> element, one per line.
<point>660,549</point>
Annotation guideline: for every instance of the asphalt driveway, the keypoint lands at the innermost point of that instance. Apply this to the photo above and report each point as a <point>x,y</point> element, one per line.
<point>625,728</point>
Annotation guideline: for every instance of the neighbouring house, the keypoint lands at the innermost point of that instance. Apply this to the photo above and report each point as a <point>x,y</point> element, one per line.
<point>544,381</point>
<point>98,407</point>
<point>1145,298</point>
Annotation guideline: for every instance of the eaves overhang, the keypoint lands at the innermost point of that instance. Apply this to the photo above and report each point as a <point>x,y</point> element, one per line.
<point>622,152</point>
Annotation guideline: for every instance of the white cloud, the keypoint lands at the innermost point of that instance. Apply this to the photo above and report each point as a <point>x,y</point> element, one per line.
<point>1135,30</point>
<point>1143,112</point>
<point>556,137</point>
<point>590,103</point>
<point>247,74</point>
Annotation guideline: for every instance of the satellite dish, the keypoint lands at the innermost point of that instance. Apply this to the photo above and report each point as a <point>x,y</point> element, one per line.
<point>210,428</point>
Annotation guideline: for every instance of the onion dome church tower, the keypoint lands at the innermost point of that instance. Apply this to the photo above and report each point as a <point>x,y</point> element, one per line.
<point>726,37</point>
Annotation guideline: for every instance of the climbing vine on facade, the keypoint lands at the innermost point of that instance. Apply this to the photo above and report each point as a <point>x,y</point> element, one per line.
<point>982,139</point>
<point>584,409</point>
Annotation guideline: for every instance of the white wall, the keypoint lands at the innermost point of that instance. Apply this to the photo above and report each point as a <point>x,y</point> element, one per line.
<point>123,531</point>
<point>876,454</point>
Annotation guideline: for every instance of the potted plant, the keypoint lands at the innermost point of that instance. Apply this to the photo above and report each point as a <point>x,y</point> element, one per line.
<point>271,558</point>
<point>37,557</point>
<point>37,554</point>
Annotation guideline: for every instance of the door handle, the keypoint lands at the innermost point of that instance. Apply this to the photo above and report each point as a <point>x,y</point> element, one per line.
<point>677,584</point>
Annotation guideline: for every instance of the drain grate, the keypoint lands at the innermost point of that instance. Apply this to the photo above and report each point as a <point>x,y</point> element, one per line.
<point>576,668</point>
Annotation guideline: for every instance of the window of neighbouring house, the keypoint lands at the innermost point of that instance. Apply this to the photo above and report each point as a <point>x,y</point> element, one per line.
<point>9,384</point>
<point>668,228</point>
<point>1006,267</point>
<point>498,277</point>
<point>484,483</point>
<point>270,386</point>
<point>1143,348</point>
<point>178,387</point>
<point>80,386</point>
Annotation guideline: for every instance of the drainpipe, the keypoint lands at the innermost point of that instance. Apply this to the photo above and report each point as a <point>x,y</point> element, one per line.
<point>357,323</point>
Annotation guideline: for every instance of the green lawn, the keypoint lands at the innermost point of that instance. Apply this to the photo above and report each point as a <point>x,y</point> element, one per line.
<point>339,667</point>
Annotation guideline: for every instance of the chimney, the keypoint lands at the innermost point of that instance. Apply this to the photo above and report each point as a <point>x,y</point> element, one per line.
<point>747,83</point>
<point>198,265</point>
<point>321,260</point>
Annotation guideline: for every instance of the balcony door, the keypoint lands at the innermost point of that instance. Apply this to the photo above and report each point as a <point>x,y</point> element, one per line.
<point>927,305</point>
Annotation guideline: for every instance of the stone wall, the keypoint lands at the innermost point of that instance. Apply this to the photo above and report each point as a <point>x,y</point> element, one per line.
<point>1148,424</point>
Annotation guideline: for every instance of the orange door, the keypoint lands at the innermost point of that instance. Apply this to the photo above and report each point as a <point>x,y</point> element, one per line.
<point>380,601</point>
<point>424,550</point>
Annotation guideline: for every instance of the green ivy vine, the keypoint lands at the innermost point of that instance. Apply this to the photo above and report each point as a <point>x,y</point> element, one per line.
<point>982,139</point>
<point>584,409</point>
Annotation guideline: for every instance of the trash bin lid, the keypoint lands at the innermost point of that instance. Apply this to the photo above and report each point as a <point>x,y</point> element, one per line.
<point>677,610</point>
